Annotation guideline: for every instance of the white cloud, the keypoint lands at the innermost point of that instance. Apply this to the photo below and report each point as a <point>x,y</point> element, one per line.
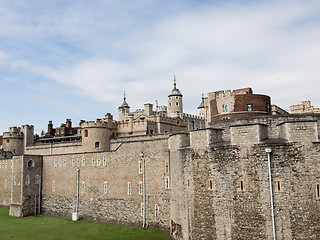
<point>272,46</point>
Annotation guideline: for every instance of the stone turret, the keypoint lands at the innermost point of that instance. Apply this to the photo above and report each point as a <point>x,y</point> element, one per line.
<point>124,109</point>
<point>202,112</point>
<point>28,136</point>
<point>95,136</point>
<point>175,105</point>
<point>13,140</point>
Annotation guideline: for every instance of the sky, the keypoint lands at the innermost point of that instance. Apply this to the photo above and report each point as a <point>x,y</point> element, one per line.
<point>74,58</point>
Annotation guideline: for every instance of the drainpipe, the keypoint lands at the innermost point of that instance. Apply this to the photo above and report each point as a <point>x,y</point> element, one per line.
<point>75,215</point>
<point>78,179</point>
<point>39,199</point>
<point>268,151</point>
<point>144,190</point>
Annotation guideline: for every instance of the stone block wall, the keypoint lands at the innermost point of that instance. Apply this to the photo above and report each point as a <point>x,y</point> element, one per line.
<point>228,195</point>
<point>248,134</point>
<point>104,180</point>
<point>18,186</point>
<point>31,184</point>
<point>54,148</point>
<point>5,182</point>
<point>299,131</point>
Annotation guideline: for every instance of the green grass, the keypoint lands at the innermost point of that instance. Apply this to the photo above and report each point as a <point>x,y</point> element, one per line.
<point>50,227</point>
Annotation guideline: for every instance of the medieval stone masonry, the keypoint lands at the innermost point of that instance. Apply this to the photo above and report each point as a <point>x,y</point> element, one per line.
<point>169,170</point>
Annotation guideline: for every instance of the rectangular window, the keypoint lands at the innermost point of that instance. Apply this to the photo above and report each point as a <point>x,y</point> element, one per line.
<point>167,182</point>
<point>82,187</point>
<point>73,162</point>
<point>92,161</point>
<point>64,162</point>
<point>156,210</point>
<point>105,187</point>
<point>37,177</point>
<point>278,187</point>
<point>83,161</point>
<point>27,180</point>
<point>318,191</point>
<point>60,162</point>
<point>167,168</point>
<point>140,187</point>
<point>55,162</point>
<point>53,186</point>
<point>249,107</point>
<point>140,167</point>
<point>268,108</point>
<point>210,184</point>
<point>104,161</point>
<point>98,161</point>
<point>142,209</point>
<point>241,185</point>
<point>129,188</point>
<point>78,161</point>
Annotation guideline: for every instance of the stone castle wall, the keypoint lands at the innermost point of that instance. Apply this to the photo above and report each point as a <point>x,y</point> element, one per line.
<point>104,180</point>
<point>224,188</point>
<point>203,184</point>
<point>5,182</point>
<point>20,184</point>
<point>54,148</point>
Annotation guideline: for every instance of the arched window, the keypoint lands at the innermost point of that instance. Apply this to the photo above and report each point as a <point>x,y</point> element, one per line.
<point>30,163</point>
<point>85,132</point>
<point>97,144</point>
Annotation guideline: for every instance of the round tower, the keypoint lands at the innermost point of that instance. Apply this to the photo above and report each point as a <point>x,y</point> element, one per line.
<point>13,141</point>
<point>175,105</point>
<point>95,136</point>
<point>124,109</point>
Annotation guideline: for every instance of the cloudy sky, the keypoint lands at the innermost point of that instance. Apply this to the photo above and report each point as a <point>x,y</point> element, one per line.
<point>73,58</point>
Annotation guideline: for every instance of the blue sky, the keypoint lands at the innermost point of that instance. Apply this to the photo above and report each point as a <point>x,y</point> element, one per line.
<point>73,59</point>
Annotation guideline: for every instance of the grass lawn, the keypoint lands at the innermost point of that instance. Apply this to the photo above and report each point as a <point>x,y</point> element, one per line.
<point>48,227</point>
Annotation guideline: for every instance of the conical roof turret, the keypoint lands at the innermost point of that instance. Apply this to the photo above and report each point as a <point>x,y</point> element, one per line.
<point>175,91</point>
<point>124,104</point>
<point>202,102</point>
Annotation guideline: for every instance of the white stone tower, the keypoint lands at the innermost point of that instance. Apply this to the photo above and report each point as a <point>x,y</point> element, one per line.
<point>201,109</point>
<point>124,109</point>
<point>175,105</point>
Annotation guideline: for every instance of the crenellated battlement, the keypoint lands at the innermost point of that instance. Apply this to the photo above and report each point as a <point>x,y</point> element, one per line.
<point>14,132</point>
<point>94,124</point>
<point>12,135</point>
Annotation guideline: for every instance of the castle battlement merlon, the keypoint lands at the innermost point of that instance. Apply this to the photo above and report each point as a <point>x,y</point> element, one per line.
<point>96,124</point>
<point>12,135</point>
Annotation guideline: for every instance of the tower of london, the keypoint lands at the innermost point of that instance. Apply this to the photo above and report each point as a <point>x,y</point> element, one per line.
<point>235,171</point>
